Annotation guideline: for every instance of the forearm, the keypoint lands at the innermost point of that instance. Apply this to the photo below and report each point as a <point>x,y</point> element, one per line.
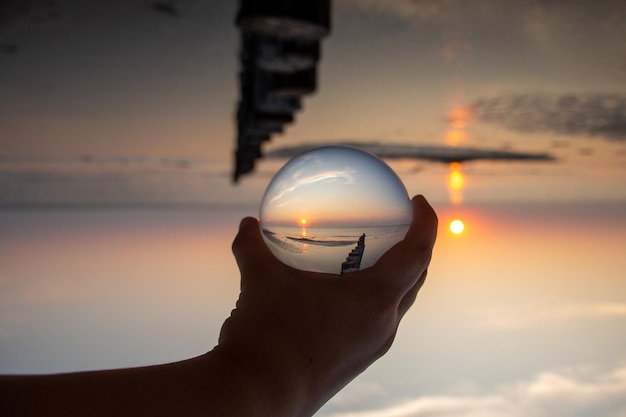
<point>220,383</point>
<point>150,390</point>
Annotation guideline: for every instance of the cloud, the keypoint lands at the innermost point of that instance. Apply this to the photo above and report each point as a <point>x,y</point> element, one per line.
<point>121,181</point>
<point>300,177</point>
<point>575,33</point>
<point>420,10</point>
<point>444,154</point>
<point>503,319</point>
<point>592,115</point>
<point>575,23</point>
<point>541,20</point>
<point>572,393</point>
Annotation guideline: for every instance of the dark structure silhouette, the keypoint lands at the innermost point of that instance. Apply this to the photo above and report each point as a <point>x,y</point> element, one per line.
<point>280,51</point>
<point>353,261</point>
<point>165,7</point>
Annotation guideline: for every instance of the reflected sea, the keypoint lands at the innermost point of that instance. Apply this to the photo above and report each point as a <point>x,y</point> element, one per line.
<point>326,248</point>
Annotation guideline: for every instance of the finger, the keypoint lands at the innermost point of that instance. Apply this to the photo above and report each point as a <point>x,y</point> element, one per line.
<point>423,229</point>
<point>405,262</point>
<point>409,298</point>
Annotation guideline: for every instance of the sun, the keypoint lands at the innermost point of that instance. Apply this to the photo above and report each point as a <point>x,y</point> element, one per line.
<point>303,221</point>
<point>457,227</point>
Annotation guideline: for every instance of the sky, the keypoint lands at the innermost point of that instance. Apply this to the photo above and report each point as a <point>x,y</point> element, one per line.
<point>122,78</point>
<point>118,78</point>
<point>123,110</point>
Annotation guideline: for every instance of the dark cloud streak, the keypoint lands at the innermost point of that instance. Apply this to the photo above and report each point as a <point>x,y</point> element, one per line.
<point>444,154</point>
<point>592,115</point>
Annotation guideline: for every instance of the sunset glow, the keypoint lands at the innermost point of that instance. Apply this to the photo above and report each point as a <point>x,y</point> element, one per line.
<point>455,136</point>
<point>459,117</point>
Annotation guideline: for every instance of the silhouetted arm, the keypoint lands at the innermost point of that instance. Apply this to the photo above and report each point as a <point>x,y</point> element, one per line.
<point>294,339</point>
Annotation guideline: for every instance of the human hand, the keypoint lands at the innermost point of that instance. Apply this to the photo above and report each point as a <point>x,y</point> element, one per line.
<point>311,333</point>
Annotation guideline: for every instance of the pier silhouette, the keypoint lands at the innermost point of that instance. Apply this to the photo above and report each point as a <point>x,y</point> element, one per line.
<point>353,260</point>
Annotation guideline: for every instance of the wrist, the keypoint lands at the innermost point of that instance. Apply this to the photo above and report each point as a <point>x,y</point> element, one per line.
<point>299,375</point>
<point>252,385</point>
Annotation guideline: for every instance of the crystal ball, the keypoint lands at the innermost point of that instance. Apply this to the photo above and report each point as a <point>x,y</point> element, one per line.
<point>334,209</point>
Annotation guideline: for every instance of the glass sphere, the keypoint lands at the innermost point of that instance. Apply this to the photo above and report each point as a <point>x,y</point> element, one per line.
<point>334,209</point>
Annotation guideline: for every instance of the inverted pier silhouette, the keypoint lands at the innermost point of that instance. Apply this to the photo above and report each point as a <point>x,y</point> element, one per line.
<point>353,261</point>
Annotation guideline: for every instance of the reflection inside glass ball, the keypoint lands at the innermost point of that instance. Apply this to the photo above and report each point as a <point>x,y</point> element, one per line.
<point>334,209</point>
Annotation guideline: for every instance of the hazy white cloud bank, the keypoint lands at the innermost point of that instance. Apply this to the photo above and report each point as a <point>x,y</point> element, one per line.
<point>576,393</point>
<point>518,318</point>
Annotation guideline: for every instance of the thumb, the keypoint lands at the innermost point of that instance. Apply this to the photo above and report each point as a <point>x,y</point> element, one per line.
<point>250,250</point>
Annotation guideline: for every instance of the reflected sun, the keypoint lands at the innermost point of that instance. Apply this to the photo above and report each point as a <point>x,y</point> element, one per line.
<point>456,180</point>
